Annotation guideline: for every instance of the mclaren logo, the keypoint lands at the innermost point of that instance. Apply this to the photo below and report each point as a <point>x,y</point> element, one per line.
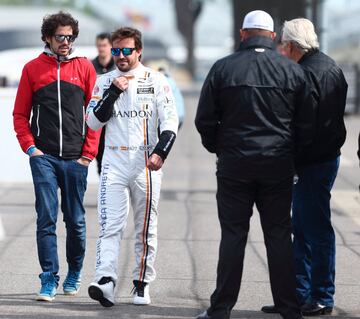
<point>132,114</point>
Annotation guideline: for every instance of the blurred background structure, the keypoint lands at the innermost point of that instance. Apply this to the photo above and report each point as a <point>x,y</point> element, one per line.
<point>185,36</point>
<point>190,34</point>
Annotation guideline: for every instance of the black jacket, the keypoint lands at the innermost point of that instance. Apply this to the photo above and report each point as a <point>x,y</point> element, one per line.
<point>253,105</point>
<point>103,69</point>
<point>330,133</point>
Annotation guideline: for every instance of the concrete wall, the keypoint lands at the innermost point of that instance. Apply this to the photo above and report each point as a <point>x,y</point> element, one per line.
<point>14,164</point>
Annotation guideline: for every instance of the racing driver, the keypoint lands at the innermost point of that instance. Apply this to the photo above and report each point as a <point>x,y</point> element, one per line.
<point>137,106</point>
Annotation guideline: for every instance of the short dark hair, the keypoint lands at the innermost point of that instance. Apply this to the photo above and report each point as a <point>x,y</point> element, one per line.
<point>52,21</point>
<point>103,36</point>
<point>127,32</point>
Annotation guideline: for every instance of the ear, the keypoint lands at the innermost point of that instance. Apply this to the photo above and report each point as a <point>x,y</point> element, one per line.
<point>242,34</point>
<point>139,52</point>
<point>273,35</point>
<point>48,40</point>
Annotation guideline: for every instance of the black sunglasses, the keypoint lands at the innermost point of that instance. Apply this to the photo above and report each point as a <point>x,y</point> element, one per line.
<point>61,38</point>
<point>125,51</point>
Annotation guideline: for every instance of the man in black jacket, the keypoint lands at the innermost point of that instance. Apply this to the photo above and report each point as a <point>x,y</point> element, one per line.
<point>253,106</point>
<point>317,166</point>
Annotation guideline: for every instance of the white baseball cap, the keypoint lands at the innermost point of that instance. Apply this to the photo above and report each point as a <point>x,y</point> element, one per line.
<point>258,19</point>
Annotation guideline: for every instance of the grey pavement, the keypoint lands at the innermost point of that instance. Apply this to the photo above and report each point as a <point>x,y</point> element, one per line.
<point>188,245</point>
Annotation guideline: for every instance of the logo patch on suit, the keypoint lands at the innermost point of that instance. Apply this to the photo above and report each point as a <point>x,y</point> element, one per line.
<point>149,90</point>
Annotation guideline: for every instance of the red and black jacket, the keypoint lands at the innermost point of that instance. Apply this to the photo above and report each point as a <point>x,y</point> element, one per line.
<point>56,93</point>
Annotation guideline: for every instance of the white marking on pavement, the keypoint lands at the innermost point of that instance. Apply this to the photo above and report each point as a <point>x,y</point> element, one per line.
<point>2,231</point>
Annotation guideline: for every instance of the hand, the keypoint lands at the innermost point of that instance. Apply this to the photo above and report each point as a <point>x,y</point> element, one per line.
<point>83,161</point>
<point>37,152</point>
<point>154,162</point>
<point>121,82</point>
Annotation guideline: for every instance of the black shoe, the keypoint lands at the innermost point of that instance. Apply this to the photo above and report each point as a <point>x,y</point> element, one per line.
<point>269,309</point>
<point>316,310</point>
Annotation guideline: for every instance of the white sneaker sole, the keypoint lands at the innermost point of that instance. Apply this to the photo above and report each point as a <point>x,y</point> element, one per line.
<point>71,293</point>
<point>44,298</point>
<point>141,301</point>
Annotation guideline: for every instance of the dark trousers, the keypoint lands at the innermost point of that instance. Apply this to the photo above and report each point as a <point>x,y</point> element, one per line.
<point>49,173</point>
<point>235,199</point>
<point>314,236</point>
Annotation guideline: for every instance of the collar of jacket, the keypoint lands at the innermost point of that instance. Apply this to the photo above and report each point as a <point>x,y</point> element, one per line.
<point>257,42</point>
<point>60,58</point>
<point>308,55</point>
<point>109,65</point>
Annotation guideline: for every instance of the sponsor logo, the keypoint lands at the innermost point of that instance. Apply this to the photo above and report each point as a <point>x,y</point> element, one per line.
<point>96,89</point>
<point>145,90</point>
<point>131,148</point>
<point>103,211</point>
<point>144,98</point>
<point>92,104</point>
<point>132,114</point>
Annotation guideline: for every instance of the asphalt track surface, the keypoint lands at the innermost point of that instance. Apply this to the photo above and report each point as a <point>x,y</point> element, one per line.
<point>188,245</point>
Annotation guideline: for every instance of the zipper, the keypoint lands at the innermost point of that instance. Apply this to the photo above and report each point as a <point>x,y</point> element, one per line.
<point>37,120</point>
<point>60,112</point>
<point>83,131</point>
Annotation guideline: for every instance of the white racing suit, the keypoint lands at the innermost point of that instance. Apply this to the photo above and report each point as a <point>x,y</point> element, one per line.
<point>133,119</point>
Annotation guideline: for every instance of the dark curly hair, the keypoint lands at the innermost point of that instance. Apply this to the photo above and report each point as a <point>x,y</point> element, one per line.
<point>52,21</point>
<point>127,32</point>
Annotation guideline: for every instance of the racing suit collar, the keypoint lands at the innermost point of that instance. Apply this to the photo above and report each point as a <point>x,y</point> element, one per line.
<point>258,42</point>
<point>140,68</point>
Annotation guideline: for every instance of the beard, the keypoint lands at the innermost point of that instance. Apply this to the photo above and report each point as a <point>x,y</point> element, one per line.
<point>60,51</point>
<point>125,65</point>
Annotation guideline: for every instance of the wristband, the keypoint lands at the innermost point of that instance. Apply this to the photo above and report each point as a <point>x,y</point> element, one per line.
<point>31,150</point>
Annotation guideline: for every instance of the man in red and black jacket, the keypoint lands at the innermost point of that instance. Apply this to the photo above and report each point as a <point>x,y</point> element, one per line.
<point>54,90</point>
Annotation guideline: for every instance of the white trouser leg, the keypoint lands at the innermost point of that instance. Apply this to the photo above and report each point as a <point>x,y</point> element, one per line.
<point>145,193</point>
<point>113,210</point>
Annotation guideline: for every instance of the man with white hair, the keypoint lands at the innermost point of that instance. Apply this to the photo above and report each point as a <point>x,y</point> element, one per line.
<point>317,166</point>
<point>251,110</point>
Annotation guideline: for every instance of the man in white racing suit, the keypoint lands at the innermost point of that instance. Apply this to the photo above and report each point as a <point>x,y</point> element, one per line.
<point>136,105</point>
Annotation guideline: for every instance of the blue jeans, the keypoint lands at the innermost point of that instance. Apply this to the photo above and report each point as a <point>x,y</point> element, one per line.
<point>50,173</point>
<point>314,236</point>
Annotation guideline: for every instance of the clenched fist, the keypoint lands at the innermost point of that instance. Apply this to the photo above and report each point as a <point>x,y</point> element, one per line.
<point>154,162</point>
<point>121,82</point>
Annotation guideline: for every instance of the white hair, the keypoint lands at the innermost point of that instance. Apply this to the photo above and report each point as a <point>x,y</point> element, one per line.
<point>301,32</point>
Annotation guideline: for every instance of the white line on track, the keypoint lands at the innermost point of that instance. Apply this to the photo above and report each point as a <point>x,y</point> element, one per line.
<point>2,231</point>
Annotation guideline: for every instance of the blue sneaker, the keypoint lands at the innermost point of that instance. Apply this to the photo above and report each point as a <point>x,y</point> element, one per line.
<point>72,283</point>
<point>48,287</point>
